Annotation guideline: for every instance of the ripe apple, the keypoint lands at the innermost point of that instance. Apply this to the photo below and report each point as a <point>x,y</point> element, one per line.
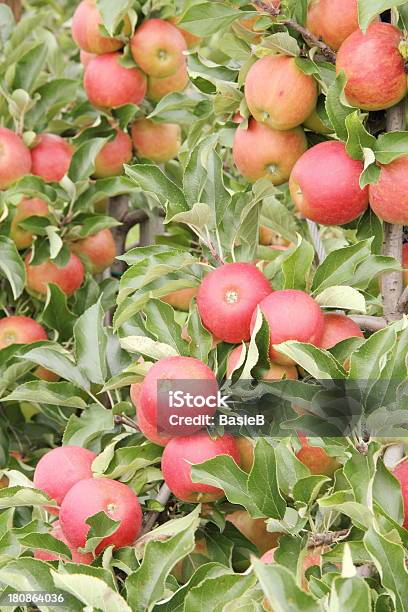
<point>51,157</point>
<point>44,374</point>
<point>69,278</point>
<point>246,452</point>
<point>260,151</point>
<point>86,33</point>
<point>97,250</point>
<point>77,557</point>
<point>85,57</point>
<point>401,473</point>
<point>15,158</point>
<point>278,93</point>
<point>332,20</point>
<point>316,458</point>
<point>338,327</point>
<point>112,156</point>
<point>27,207</point>
<point>158,88</point>
<point>108,84</point>
<point>93,495</point>
<point>389,196</point>
<point>194,377</point>
<point>20,330</point>
<point>228,296</point>
<point>373,66</point>
<point>254,530</point>
<point>148,429</point>
<point>60,469</point>
<point>181,452</point>
<point>158,48</point>
<point>158,142</point>
<point>181,298</point>
<point>324,185</point>
<point>275,372</point>
<point>405,262</point>
<point>292,315</point>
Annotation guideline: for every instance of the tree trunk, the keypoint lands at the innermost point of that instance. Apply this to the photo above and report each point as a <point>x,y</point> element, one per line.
<point>15,6</point>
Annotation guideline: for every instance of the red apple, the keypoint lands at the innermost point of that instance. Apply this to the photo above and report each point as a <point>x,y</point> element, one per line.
<point>44,374</point>
<point>389,196</point>
<point>112,156</point>
<point>158,48</point>
<point>338,327</point>
<point>88,497</point>
<point>77,557</point>
<point>246,452</point>
<point>373,66</point>
<point>51,157</point>
<point>85,57</point>
<point>60,469</point>
<point>69,278</point>
<point>20,330</point>
<point>254,530</point>
<point>316,458</point>
<point>86,33</point>
<point>324,184</point>
<point>278,93</point>
<point>15,158</point>
<point>182,452</point>
<point>158,142</point>
<point>108,84</point>
<point>259,151</point>
<point>275,371</point>
<point>181,298</point>
<point>332,20</point>
<point>227,298</point>
<point>98,250</point>
<point>158,88</point>
<point>27,207</point>
<point>292,315</point>
<point>148,429</point>
<point>401,473</point>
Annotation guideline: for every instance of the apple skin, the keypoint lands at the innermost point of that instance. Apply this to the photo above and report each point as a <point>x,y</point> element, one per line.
<point>183,369</point>
<point>44,374</point>
<point>246,451</point>
<point>228,296</point>
<point>15,158</point>
<point>401,473</point>
<point>291,315</point>
<point>69,278</point>
<point>324,185</point>
<point>148,430</point>
<point>254,530</point>
<point>338,327</point>
<point>158,142</point>
<point>181,452</point>
<point>373,66</point>
<point>27,207</point>
<point>275,372</point>
<point>85,30</point>
<point>262,152</point>
<point>405,262</point>
<point>93,495</point>
<point>393,183</point>
<point>97,250</point>
<point>158,88</point>
<point>278,93</point>
<point>20,330</point>
<point>112,156</point>
<point>130,84</point>
<point>77,557</point>
<point>180,299</point>
<point>60,469</point>
<point>51,157</point>
<point>85,57</point>
<point>332,20</point>
<point>316,459</point>
<point>158,48</point>
<point>191,39</point>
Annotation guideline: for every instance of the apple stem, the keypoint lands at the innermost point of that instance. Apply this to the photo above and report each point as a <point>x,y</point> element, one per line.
<point>122,419</point>
<point>163,497</point>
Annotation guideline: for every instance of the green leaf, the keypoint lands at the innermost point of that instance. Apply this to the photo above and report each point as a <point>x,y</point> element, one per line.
<point>143,345</point>
<point>307,489</point>
<point>161,323</point>
<point>101,526</point>
<point>45,541</point>
<point>91,344</point>
<point>262,481</point>
<point>113,13</point>
<point>201,339</point>
<point>351,594</point>
<point>296,268</point>
<point>208,18</point>
<point>89,427</point>
<point>153,180</point>
<point>53,96</point>
<point>13,497</point>
<point>336,110</point>
<point>29,67</point>
<point>358,138</point>
<point>368,9</point>
<point>42,392</point>
<point>343,297</point>
<point>319,363</point>
<point>368,361</point>
<point>92,592</point>
<point>339,266</point>
<point>12,266</point>
<point>52,358</point>
<point>218,591</point>
<point>391,146</point>
<point>83,160</point>
<point>56,313</point>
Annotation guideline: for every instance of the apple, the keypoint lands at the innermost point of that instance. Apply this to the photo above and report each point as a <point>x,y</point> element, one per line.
<point>148,429</point>
<point>44,374</point>
<point>158,48</point>
<point>181,298</point>
<point>85,57</point>
<point>158,88</point>
<point>108,84</point>
<point>275,371</point>
<point>278,93</point>
<point>158,142</point>
<point>51,157</point>
<point>184,569</point>
<point>291,315</point>
<point>401,473</point>
<point>389,196</point>
<point>246,452</point>
<point>97,250</point>
<point>405,262</point>
<point>20,330</point>
<point>191,39</point>
<point>228,296</point>
<point>60,469</point>
<point>86,32</point>
<point>68,278</point>
<point>324,185</point>
<point>15,158</point>
<point>112,156</point>
<point>262,152</point>
<point>77,557</point>
<point>338,327</point>
<point>373,66</point>
<point>316,458</point>
<point>190,375</point>
<point>93,495</point>
<point>332,20</point>
<point>27,207</point>
<point>182,452</point>
<point>254,530</point>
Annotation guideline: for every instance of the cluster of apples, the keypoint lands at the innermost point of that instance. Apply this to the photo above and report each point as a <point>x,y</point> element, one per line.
<point>324,180</point>
<point>158,47</point>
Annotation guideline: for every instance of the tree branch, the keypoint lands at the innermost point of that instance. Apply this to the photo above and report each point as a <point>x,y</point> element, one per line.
<point>163,497</point>
<point>370,323</point>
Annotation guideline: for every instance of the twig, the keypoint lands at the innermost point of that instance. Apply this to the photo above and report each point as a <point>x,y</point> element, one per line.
<point>325,539</point>
<point>163,497</point>
<point>306,34</point>
<point>369,323</point>
<point>122,419</point>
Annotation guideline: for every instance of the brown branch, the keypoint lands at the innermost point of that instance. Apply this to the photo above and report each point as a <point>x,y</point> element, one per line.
<point>370,323</point>
<point>403,302</point>
<point>122,419</point>
<point>327,538</point>
<point>307,36</point>
<point>163,497</point>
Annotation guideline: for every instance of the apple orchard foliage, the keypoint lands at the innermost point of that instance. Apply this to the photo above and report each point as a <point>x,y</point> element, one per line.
<point>200,157</point>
